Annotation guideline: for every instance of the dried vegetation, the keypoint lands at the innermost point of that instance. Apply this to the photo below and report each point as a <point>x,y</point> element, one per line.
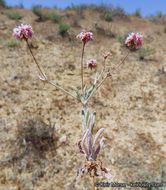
<point>39,125</point>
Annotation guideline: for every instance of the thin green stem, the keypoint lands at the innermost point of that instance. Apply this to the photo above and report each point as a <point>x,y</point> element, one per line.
<point>101,83</point>
<point>44,76</point>
<point>82,68</point>
<point>106,76</point>
<point>102,71</point>
<point>123,60</point>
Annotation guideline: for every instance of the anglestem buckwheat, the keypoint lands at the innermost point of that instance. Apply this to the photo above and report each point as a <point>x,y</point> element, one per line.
<point>87,144</point>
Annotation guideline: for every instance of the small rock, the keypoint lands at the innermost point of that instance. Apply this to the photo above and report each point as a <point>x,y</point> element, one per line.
<point>113,161</point>
<point>56,171</point>
<point>62,139</point>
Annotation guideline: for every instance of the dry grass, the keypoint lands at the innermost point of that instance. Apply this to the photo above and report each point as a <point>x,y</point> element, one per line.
<point>40,126</point>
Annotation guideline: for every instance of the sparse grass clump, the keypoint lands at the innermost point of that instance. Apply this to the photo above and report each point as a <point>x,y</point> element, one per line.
<point>144,52</point>
<point>14,15</point>
<point>118,12</point>
<point>12,42</point>
<point>63,29</point>
<point>114,11</point>
<point>79,9</point>
<point>108,17</point>
<point>55,17</point>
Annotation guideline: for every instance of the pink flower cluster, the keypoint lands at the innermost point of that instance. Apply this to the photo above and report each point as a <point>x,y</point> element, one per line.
<point>106,55</point>
<point>23,31</point>
<point>85,36</point>
<point>91,64</point>
<point>134,40</point>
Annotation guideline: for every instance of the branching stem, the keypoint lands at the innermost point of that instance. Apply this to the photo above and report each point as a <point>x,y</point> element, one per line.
<point>110,75</point>
<point>44,76</point>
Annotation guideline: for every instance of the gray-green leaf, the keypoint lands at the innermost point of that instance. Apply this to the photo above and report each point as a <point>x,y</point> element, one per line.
<point>90,91</point>
<point>77,92</point>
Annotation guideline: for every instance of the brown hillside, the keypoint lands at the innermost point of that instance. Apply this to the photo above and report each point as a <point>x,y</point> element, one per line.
<point>40,126</point>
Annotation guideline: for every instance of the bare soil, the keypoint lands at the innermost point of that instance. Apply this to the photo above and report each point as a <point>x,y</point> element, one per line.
<point>40,126</point>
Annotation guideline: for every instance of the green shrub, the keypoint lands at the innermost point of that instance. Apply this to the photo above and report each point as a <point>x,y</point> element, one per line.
<point>14,15</point>
<point>137,13</point>
<point>12,42</point>
<point>2,3</point>
<point>63,29</point>
<point>55,17</point>
<point>108,17</point>
<point>37,11</point>
<point>77,7</point>
<point>159,14</point>
<point>143,52</point>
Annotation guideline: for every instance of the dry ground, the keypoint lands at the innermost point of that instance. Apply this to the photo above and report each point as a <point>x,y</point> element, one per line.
<point>40,126</point>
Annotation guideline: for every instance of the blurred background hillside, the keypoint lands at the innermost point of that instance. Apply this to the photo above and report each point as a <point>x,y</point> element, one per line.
<point>40,126</point>
<point>148,7</point>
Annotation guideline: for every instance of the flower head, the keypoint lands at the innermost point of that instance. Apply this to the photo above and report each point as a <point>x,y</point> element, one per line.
<point>85,36</point>
<point>106,55</point>
<point>91,64</point>
<point>134,40</point>
<point>23,31</point>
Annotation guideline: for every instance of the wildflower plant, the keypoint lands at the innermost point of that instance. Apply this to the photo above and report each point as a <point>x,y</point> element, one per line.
<point>87,145</point>
<point>63,29</point>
